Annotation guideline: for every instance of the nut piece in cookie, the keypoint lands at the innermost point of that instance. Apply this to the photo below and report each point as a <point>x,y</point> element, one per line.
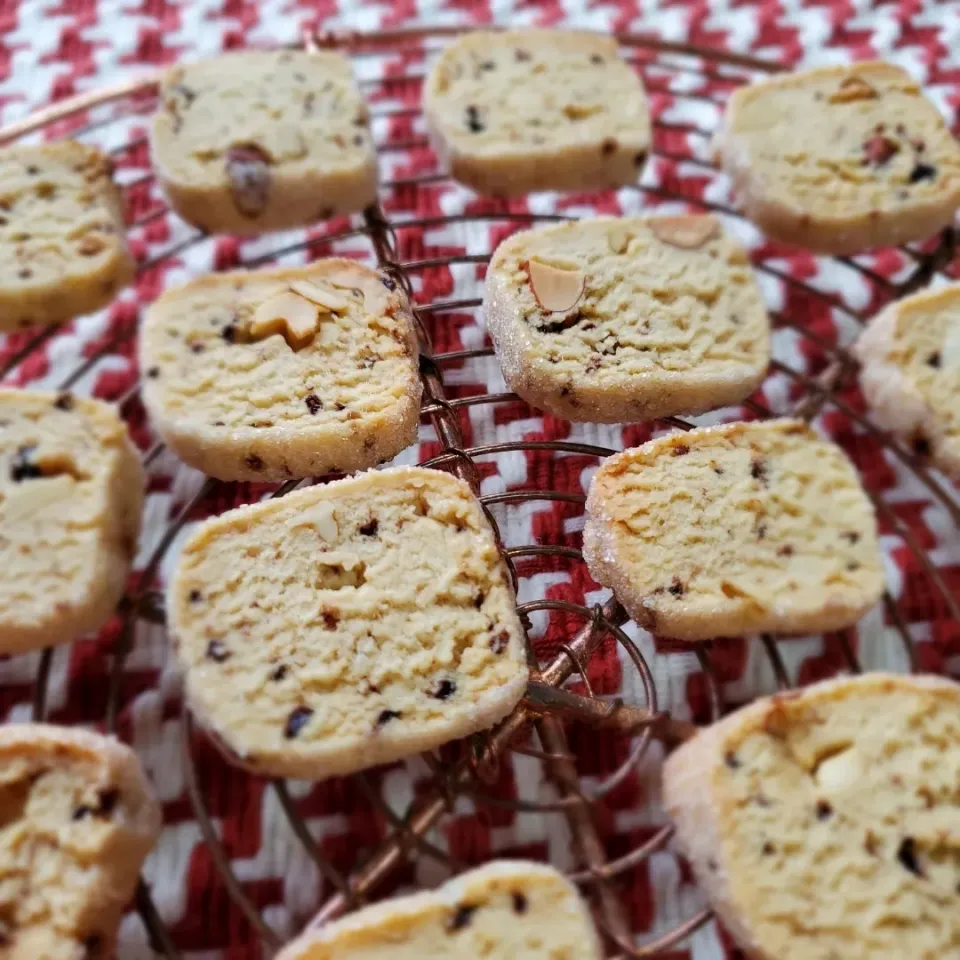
<point>839,800</point>
<point>347,624</point>
<point>910,374</point>
<point>263,140</point>
<point>741,528</point>
<point>622,319</point>
<point>841,159</point>
<point>523,110</point>
<point>280,373</point>
<point>61,234</point>
<point>78,822</point>
<point>71,489</point>
<point>505,910</point>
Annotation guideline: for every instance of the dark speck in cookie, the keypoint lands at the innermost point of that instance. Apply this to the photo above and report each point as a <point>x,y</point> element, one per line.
<point>217,652</point>
<point>369,529</point>
<point>313,402</point>
<point>254,462</point>
<point>279,673</point>
<point>444,690</point>
<point>934,360</point>
<point>385,716</point>
<point>461,917</point>
<point>922,171</point>
<point>298,719</point>
<point>499,642</point>
<point>474,123</point>
<point>22,467</point>
<point>519,902</point>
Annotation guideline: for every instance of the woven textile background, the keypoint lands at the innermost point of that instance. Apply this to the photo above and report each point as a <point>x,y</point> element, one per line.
<point>52,49</point>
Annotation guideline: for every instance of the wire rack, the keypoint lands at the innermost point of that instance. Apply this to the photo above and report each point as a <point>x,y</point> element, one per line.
<point>563,702</point>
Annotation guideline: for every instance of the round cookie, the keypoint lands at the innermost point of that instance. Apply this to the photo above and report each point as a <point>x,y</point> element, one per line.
<point>841,159</point>
<point>71,490</point>
<point>910,373</point>
<point>64,252</point>
<point>623,319</point>
<point>348,624</point>
<point>285,372</point>
<point>515,111</point>
<point>826,822</point>
<point>506,910</point>
<point>741,528</point>
<point>263,140</point>
<point>78,821</point>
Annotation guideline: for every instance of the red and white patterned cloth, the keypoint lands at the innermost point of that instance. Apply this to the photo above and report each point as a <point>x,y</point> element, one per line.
<point>52,49</point>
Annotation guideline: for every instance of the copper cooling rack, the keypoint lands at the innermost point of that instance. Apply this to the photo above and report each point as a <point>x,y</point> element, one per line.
<point>538,728</point>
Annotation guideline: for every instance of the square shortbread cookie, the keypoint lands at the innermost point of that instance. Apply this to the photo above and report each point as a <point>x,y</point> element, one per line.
<point>264,140</point>
<point>285,372</point>
<point>526,110</point>
<point>61,234</point>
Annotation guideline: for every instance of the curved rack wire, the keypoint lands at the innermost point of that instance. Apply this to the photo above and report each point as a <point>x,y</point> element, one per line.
<point>561,691</point>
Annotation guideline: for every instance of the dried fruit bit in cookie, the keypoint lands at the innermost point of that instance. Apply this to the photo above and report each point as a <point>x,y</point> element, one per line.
<point>752,549</point>
<point>688,233</point>
<point>859,776</point>
<point>506,910</point>
<point>248,170</point>
<point>556,289</point>
<point>388,657</point>
<point>878,149</point>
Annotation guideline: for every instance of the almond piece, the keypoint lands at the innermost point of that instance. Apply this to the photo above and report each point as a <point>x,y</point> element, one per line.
<point>687,232</point>
<point>288,314</point>
<point>325,298</point>
<point>852,88</point>
<point>619,239</point>
<point>556,290</point>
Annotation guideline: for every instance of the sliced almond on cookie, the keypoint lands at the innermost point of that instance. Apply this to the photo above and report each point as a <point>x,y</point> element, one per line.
<point>324,298</point>
<point>853,88</point>
<point>619,239</point>
<point>556,290</point>
<point>288,314</point>
<point>688,232</point>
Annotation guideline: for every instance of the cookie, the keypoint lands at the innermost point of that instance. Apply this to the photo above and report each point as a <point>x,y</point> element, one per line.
<point>741,528</point>
<point>78,821</point>
<point>620,319</point>
<point>522,110</point>
<point>506,910</point>
<point>841,159</point>
<point>348,624</point>
<point>826,823</point>
<point>61,234</point>
<point>71,489</point>
<point>263,140</point>
<point>286,372</point>
<point>910,373</point>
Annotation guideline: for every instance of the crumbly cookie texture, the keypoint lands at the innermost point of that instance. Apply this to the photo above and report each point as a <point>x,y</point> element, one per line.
<point>506,910</point>
<point>527,110</point>
<point>826,823</point>
<point>624,319</point>
<point>910,373</point>
<point>742,528</point>
<point>78,821</point>
<point>61,234</point>
<point>841,159</point>
<point>348,624</point>
<point>71,489</point>
<point>281,373</point>
<point>264,140</point>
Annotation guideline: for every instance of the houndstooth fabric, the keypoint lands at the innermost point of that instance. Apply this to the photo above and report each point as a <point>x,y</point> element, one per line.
<point>54,49</point>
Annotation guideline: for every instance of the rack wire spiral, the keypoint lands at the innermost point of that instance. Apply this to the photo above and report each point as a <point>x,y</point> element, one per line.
<point>561,691</point>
